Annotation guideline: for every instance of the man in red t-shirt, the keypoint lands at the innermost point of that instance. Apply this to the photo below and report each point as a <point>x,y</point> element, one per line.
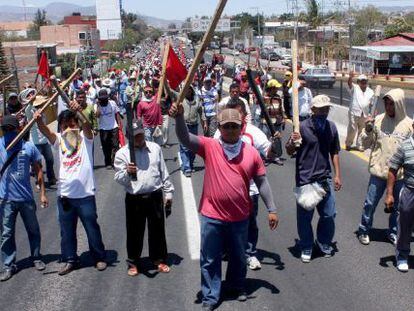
<point>150,112</point>
<point>225,204</point>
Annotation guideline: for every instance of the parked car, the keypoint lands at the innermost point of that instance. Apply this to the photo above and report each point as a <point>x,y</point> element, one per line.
<point>273,56</point>
<point>239,47</point>
<point>286,59</point>
<point>318,77</point>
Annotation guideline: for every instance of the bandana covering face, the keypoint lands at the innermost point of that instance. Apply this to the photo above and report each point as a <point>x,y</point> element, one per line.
<point>231,150</point>
<point>71,140</point>
<point>320,122</point>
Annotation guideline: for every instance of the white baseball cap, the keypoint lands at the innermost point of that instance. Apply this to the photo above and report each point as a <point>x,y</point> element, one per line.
<point>320,101</point>
<point>362,78</point>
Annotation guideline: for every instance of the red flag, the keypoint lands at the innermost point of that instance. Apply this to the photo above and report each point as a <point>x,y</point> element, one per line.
<point>175,70</point>
<point>43,69</point>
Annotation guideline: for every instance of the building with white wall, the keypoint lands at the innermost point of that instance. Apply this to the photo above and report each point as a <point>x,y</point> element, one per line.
<point>108,19</point>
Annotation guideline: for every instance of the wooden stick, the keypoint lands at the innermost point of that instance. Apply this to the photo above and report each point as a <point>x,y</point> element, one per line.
<point>41,110</point>
<point>206,41</point>
<point>66,99</point>
<point>163,72</point>
<point>6,79</point>
<point>295,96</point>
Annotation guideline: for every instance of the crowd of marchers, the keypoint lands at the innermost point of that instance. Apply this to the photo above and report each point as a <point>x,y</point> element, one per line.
<point>236,142</point>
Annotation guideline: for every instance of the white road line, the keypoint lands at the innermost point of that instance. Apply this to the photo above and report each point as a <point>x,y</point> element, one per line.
<point>192,221</point>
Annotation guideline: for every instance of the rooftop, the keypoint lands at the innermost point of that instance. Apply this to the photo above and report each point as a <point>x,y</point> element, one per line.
<point>385,48</point>
<point>14,26</point>
<point>402,39</point>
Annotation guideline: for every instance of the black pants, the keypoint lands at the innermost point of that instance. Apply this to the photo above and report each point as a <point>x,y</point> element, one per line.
<point>287,106</point>
<point>139,209</point>
<point>110,145</point>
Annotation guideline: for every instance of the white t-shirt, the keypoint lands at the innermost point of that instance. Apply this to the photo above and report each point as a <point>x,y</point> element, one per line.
<point>256,138</point>
<point>360,100</point>
<point>76,179</point>
<point>107,119</point>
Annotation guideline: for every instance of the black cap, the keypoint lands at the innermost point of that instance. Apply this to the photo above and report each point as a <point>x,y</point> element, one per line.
<point>10,121</point>
<point>103,94</point>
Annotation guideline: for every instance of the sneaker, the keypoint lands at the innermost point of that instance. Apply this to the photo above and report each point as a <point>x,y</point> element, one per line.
<point>7,274</point>
<point>364,239</point>
<point>325,249</point>
<point>101,265</point>
<point>68,267</point>
<point>402,265</point>
<point>348,148</point>
<point>253,263</point>
<point>187,173</point>
<point>39,265</point>
<point>242,296</point>
<point>306,256</point>
<point>52,182</point>
<point>277,161</point>
<point>109,167</point>
<point>393,238</point>
<point>207,307</point>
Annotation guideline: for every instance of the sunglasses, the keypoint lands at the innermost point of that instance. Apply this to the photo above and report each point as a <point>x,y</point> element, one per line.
<point>230,126</point>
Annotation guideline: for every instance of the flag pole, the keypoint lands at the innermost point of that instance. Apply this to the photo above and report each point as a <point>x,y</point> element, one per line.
<point>197,60</point>
<point>164,69</point>
<point>47,104</point>
<point>295,95</point>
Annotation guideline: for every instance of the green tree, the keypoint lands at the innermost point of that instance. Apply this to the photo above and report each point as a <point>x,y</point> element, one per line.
<point>40,19</point>
<point>128,19</point>
<point>402,24</point>
<point>285,17</point>
<point>248,21</point>
<point>314,18</point>
<point>4,68</point>
<point>366,19</point>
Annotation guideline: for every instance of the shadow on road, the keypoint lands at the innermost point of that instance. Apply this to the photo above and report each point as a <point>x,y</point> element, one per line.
<point>252,286</point>
<point>275,259</point>
<point>316,252</point>
<point>377,235</point>
<point>27,263</point>
<point>86,259</point>
<point>390,261</point>
<point>147,267</point>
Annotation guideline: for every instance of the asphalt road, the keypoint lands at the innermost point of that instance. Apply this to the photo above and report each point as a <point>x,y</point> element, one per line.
<point>357,277</point>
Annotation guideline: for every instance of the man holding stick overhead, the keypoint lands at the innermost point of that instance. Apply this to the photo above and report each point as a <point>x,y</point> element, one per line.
<point>76,187</point>
<point>229,164</point>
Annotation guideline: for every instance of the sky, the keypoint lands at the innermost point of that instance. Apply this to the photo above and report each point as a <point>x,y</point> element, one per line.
<point>180,9</point>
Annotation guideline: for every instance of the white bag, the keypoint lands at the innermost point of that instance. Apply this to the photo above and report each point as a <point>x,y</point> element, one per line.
<point>309,196</point>
<point>157,132</point>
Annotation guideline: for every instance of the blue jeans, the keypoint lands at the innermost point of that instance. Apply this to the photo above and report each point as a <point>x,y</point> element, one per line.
<point>27,210</point>
<point>186,155</point>
<point>214,235</point>
<point>149,131</point>
<point>46,152</point>
<point>325,230</point>
<point>85,210</point>
<point>376,189</point>
<point>253,231</point>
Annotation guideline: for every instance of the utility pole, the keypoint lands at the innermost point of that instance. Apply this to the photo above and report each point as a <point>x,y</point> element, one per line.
<point>350,33</point>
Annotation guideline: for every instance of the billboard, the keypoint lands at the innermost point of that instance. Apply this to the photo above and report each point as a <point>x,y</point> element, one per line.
<point>201,25</point>
<point>108,19</point>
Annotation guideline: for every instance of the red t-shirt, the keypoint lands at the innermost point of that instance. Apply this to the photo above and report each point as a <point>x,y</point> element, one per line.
<point>150,112</point>
<point>226,183</point>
